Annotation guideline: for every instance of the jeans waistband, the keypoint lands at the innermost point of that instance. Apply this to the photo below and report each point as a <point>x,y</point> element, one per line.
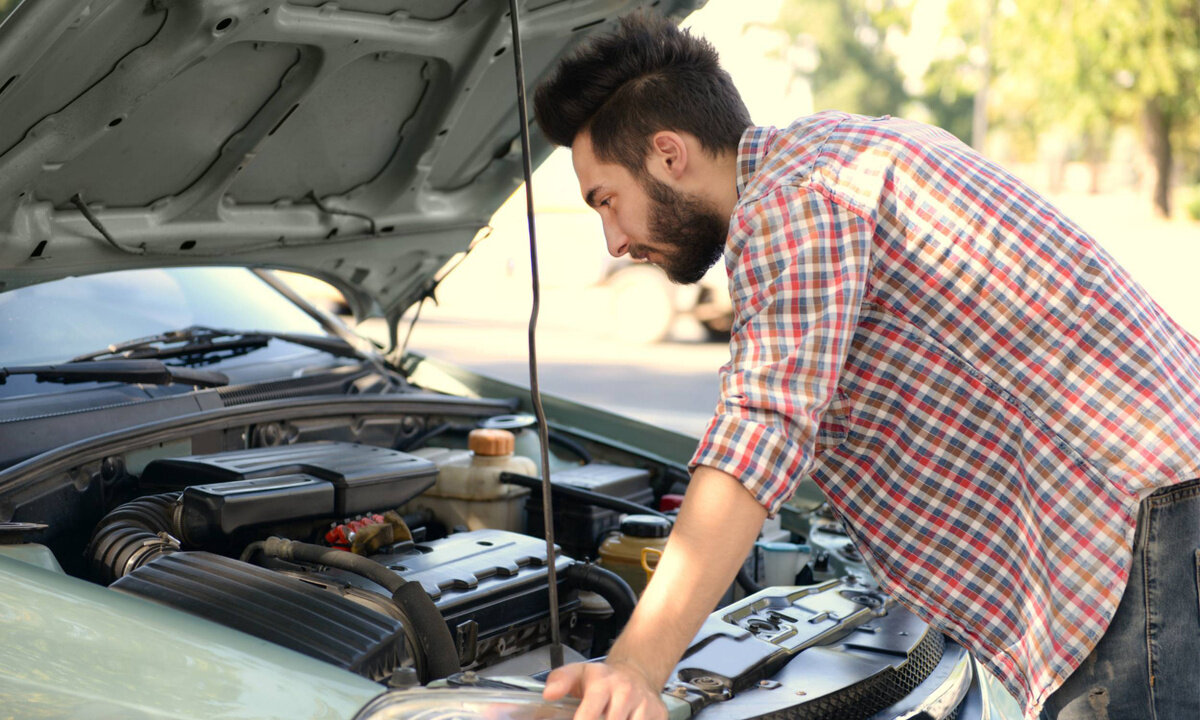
<point>1172,493</point>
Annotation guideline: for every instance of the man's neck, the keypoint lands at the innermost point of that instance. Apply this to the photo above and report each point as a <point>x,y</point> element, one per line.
<point>725,183</point>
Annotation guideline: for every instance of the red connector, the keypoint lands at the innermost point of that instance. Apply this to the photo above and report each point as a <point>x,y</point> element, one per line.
<point>342,536</point>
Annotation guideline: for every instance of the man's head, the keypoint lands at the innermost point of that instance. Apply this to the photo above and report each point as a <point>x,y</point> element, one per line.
<point>653,123</point>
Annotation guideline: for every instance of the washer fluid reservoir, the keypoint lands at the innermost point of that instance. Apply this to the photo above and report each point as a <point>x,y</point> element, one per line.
<point>468,491</point>
<point>639,543</point>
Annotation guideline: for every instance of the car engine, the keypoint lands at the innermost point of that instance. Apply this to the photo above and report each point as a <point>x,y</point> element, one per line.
<point>339,603</point>
<point>361,541</point>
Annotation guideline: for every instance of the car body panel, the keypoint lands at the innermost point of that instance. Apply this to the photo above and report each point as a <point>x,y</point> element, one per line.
<point>618,431</point>
<point>361,143</point>
<point>127,657</point>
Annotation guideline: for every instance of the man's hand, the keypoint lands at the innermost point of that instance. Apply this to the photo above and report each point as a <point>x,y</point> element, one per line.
<point>610,690</point>
<point>717,526</point>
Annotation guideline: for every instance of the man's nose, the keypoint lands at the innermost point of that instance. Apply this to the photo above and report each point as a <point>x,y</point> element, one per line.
<point>617,241</point>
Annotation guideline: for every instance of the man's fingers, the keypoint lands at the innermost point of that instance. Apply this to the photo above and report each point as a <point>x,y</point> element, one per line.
<point>623,700</point>
<point>609,692</point>
<point>595,699</point>
<point>653,709</point>
<point>564,681</point>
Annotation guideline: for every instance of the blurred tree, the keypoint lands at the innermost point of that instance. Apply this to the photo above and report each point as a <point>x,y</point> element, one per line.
<point>956,76</point>
<point>1092,66</point>
<point>854,69</point>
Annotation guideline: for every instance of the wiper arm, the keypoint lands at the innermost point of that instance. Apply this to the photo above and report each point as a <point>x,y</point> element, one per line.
<point>150,372</point>
<point>198,341</point>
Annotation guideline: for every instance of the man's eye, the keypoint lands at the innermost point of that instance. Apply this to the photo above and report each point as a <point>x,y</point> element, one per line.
<point>605,203</point>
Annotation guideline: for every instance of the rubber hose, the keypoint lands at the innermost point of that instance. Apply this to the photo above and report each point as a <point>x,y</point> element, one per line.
<point>433,635</point>
<point>285,549</point>
<point>607,584</point>
<point>586,496</point>
<point>132,535</point>
<point>566,442</point>
<point>423,617</point>
<point>746,582</point>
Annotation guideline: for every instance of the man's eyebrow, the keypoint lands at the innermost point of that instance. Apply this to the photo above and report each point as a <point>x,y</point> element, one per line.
<point>590,198</point>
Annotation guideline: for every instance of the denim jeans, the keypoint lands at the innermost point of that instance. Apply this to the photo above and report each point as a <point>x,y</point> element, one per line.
<point>1147,664</point>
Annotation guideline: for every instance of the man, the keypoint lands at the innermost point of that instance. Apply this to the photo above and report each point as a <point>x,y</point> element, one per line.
<point>989,401</point>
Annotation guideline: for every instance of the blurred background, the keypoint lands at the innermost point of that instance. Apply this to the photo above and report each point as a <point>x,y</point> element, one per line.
<point>1096,105</point>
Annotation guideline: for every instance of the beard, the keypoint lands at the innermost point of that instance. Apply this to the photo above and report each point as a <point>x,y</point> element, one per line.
<point>693,234</point>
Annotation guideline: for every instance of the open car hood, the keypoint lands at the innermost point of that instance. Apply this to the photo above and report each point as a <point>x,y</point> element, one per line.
<point>363,142</point>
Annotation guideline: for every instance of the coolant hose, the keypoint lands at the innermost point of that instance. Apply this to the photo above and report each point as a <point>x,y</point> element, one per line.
<point>426,622</point>
<point>608,585</point>
<point>746,581</point>
<point>133,534</point>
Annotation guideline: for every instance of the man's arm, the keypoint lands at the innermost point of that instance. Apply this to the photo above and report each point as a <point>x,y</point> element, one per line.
<point>798,279</point>
<point>716,528</point>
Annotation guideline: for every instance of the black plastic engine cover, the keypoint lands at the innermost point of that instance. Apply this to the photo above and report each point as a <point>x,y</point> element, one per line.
<point>484,582</point>
<point>276,608</point>
<point>364,477</point>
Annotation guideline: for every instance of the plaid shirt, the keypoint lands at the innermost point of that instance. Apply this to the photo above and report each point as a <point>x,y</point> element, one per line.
<point>978,388</point>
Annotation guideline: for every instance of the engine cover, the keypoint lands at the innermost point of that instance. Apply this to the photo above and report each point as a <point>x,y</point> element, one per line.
<point>275,607</point>
<point>490,585</point>
<point>364,477</point>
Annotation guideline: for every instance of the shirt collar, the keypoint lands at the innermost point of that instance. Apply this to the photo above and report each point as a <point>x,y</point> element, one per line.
<point>751,150</point>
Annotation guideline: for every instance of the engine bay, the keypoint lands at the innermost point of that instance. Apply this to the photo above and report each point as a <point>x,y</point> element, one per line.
<point>396,537</point>
<point>222,533</point>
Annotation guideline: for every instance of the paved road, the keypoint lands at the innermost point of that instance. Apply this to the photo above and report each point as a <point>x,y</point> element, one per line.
<point>672,384</point>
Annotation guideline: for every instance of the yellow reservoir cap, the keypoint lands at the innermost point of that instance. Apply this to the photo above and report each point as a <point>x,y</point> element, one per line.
<point>491,442</point>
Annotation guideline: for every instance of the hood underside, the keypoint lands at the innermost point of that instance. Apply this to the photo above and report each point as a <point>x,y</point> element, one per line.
<point>363,142</point>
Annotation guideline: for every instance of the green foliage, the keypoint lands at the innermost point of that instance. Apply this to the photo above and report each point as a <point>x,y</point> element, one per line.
<point>855,71</point>
<point>1192,202</point>
<point>950,95</point>
<point>1090,67</point>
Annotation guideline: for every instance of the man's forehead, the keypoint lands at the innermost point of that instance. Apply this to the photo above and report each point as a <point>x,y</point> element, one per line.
<point>582,155</point>
<point>588,170</point>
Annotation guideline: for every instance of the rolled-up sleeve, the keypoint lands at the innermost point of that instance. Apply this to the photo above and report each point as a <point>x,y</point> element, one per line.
<point>799,263</point>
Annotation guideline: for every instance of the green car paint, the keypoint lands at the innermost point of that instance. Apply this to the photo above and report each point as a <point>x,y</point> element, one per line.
<point>34,554</point>
<point>584,421</point>
<point>79,650</point>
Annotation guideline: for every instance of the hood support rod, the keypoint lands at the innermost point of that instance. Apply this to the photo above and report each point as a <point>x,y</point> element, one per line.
<point>556,650</point>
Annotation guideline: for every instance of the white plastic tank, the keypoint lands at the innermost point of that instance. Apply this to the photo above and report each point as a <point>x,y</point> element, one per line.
<point>468,491</point>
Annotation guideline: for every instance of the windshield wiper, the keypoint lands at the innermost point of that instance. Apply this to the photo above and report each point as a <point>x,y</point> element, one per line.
<point>199,341</point>
<point>150,372</point>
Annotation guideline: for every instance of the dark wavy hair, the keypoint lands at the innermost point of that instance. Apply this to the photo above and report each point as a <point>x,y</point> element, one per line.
<point>647,76</point>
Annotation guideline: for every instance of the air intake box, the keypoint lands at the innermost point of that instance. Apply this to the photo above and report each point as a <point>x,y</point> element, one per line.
<point>276,608</point>
<point>364,477</point>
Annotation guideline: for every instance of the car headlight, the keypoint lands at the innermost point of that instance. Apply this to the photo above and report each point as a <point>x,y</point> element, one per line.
<point>465,704</point>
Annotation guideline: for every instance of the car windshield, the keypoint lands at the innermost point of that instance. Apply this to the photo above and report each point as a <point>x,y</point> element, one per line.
<point>56,321</point>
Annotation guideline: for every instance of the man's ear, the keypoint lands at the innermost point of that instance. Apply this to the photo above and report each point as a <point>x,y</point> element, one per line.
<point>668,155</point>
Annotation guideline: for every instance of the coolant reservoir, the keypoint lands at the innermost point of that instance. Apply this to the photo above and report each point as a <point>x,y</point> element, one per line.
<point>468,490</point>
<point>640,536</point>
<point>479,477</point>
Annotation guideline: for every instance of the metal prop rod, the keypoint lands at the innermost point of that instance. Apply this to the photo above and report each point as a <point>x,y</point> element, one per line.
<point>556,651</point>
